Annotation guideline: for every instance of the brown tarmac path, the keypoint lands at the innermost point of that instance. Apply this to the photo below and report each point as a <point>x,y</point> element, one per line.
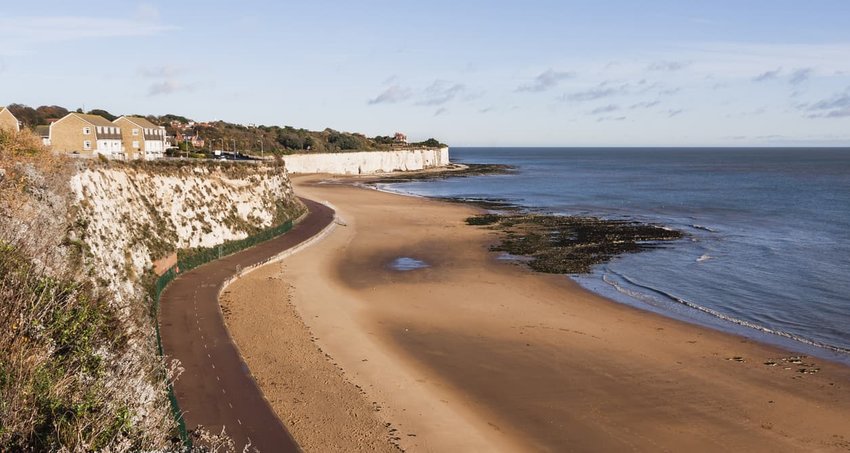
<point>216,389</point>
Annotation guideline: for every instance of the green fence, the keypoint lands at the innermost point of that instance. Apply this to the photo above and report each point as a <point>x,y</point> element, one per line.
<point>190,259</point>
<point>159,287</point>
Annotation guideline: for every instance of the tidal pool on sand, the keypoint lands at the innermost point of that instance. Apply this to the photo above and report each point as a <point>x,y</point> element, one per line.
<point>405,263</point>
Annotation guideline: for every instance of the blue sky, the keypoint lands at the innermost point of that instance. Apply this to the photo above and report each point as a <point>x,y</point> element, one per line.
<point>544,73</point>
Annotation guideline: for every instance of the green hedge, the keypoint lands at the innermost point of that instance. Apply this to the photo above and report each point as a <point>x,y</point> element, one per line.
<point>190,259</point>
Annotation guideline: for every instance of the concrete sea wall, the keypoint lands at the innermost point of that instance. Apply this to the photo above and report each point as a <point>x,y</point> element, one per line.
<point>367,162</point>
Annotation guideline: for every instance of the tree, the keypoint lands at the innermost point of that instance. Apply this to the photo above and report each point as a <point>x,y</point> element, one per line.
<point>25,114</point>
<point>103,113</point>
<point>432,143</point>
<point>50,112</point>
<point>172,117</point>
<point>290,140</point>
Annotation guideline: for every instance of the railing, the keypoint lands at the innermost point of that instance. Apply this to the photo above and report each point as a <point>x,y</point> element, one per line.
<point>191,259</point>
<point>159,287</point>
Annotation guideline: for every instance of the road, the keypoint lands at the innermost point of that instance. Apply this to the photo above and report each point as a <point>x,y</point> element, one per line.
<point>216,389</point>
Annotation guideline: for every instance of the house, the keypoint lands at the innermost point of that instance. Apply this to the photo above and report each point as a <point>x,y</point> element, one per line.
<point>142,139</point>
<point>43,132</point>
<point>8,120</point>
<point>189,136</point>
<point>86,136</point>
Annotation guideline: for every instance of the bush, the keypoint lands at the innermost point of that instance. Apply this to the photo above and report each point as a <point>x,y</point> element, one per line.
<point>53,392</point>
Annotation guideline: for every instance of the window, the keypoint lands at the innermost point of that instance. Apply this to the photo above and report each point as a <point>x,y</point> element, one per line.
<point>99,130</point>
<point>135,144</point>
<point>87,144</point>
<point>86,130</point>
<point>135,132</point>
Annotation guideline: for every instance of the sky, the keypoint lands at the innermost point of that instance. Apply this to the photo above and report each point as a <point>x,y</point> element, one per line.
<point>468,72</point>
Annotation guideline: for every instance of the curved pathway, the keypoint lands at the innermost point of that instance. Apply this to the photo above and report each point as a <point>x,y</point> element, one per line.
<point>216,389</point>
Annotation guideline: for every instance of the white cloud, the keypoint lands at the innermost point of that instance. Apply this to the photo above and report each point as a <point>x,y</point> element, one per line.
<point>668,66</point>
<point>742,60</point>
<point>605,109</point>
<point>168,86</point>
<point>547,80</point>
<point>392,95</point>
<point>768,75</point>
<point>20,34</point>
<point>160,71</point>
<point>644,105</point>
<point>603,90</point>
<point>837,106</point>
<point>440,92</point>
<point>800,75</point>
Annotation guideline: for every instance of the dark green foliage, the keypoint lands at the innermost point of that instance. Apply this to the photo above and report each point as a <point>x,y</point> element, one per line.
<point>430,143</point>
<point>103,113</point>
<point>167,118</point>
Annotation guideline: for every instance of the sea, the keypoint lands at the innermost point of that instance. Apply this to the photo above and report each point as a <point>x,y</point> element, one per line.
<point>766,252</point>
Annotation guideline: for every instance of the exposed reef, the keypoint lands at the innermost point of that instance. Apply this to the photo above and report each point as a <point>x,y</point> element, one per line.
<point>450,171</point>
<point>570,244</point>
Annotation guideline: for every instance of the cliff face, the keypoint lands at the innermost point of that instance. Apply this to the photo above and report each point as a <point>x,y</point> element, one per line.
<point>367,162</point>
<point>135,214</point>
<point>81,238</point>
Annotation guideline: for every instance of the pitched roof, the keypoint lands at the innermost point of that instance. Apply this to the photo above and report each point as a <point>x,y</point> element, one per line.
<point>97,120</point>
<point>43,130</point>
<point>141,122</point>
<point>6,109</point>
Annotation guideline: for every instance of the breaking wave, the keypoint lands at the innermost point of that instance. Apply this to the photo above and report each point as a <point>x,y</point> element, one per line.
<point>645,294</point>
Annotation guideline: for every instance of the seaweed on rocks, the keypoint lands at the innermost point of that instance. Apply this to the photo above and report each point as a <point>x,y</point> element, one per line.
<point>450,171</point>
<point>570,244</point>
<point>497,205</point>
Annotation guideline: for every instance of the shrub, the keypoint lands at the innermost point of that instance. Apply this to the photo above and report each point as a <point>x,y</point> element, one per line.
<point>53,392</point>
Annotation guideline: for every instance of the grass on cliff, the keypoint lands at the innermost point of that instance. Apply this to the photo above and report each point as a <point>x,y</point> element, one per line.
<point>52,388</point>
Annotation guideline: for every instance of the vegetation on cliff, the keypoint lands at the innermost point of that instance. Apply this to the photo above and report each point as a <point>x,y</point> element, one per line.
<point>76,370</point>
<point>55,385</point>
<point>79,369</point>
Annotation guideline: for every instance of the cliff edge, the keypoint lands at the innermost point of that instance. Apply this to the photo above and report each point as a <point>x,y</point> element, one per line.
<point>79,367</point>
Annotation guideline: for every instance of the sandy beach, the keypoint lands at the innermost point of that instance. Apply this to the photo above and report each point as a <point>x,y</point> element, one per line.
<point>476,354</point>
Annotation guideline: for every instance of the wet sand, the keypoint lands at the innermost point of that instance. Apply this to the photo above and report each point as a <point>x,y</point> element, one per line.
<point>476,354</point>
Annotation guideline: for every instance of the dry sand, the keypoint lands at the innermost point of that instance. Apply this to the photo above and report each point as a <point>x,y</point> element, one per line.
<point>474,354</point>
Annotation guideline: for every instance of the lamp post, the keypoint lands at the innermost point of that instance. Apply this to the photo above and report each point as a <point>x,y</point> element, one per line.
<point>234,148</point>
<point>261,149</point>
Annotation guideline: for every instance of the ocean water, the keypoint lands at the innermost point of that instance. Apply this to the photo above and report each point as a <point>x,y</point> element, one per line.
<point>767,251</point>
